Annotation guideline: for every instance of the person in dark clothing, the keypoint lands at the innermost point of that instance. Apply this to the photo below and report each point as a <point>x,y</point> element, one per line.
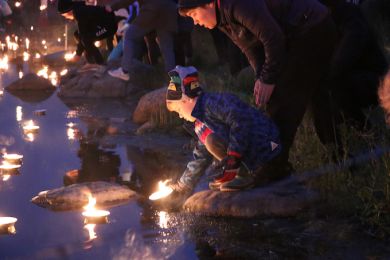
<point>94,23</point>
<point>288,44</point>
<point>154,15</point>
<point>240,136</point>
<point>357,65</point>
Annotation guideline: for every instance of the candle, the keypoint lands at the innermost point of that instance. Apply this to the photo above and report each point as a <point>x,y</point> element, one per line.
<point>7,225</point>
<point>13,158</point>
<point>30,127</point>
<point>163,191</point>
<point>93,215</point>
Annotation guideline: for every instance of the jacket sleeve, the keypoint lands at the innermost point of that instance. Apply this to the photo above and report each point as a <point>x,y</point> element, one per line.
<point>256,17</point>
<point>231,111</point>
<point>197,166</point>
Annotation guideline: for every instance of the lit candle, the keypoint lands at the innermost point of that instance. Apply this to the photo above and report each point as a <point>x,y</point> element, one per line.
<point>17,4</point>
<point>13,158</point>
<point>163,191</point>
<point>93,215</point>
<point>30,127</point>
<point>7,225</point>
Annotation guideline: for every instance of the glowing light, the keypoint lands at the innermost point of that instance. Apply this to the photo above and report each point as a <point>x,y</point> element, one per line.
<point>44,72</point>
<point>37,55</point>
<point>43,42</point>
<point>163,191</point>
<point>91,231</point>
<point>71,133</point>
<point>71,114</point>
<point>91,211</point>
<point>53,78</point>
<point>7,220</point>
<point>9,166</point>
<point>30,127</point>
<point>26,56</point>
<point>1,92</point>
<point>98,44</point>
<point>64,72</point>
<point>30,137</point>
<point>12,156</point>
<point>20,74</point>
<point>32,28</point>
<point>69,56</point>
<point>19,113</point>
<point>163,219</point>
<point>4,63</point>
<point>18,4</point>
<point>7,225</point>
<point>6,177</point>
<point>58,39</point>
<point>27,43</point>
<point>42,7</point>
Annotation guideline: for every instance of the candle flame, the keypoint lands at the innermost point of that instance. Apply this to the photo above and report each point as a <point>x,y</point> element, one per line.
<point>12,156</point>
<point>163,191</point>
<point>163,219</point>
<point>9,166</point>
<point>18,4</point>
<point>20,74</point>
<point>91,211</point>
<point>7,220</point>
<point>69,56</point>
<point>30,126</point>
<point>26,56</point>
<point>6,177</point>
<point>42,7</point>
<point>27,43</point>
<point>64,72</point>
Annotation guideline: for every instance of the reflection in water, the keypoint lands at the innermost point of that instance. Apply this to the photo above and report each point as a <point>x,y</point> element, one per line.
<point>163,219</point>
<point>6,177</point>
<point>19,113</point>
<point>29,137</point>
<point>91,231</point>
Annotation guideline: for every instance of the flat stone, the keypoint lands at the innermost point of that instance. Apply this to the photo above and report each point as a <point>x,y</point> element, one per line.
<point>282,199</point>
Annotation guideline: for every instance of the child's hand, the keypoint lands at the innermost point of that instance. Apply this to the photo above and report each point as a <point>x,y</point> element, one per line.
<point>262,93</point>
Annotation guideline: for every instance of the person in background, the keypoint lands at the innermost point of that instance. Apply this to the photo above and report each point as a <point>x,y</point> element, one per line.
<point>154,15</point>
<point>241,137</point>
<point>94,23</point>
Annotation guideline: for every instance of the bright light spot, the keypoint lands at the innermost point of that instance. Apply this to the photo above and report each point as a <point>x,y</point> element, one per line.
<point>98,44</point>
<point>91,231</point>
<point>19,113</point>
<point>44,72</point>
<point>7,220</point>
<point>30,137</point>
<point>69,56</point>
<point>59,40</point>
<point>6,177</point>
<point>30,126</point>
<point>4,63</point>
<point>18,4</point>
<point>27,43</point>
<point>53,78</point>
<point>43,42</point>
<point>1,92</point>
<point>32,28</point>
<point>9,166</point>
<point>37,55</point>
<point>26,56</point>
<point>163,219</point>
<point>163,191</point>
<point>42,7</point>
<point>71,133</point>
<point>64,72</point>
<point>20,74</point>
<point>71,114</point>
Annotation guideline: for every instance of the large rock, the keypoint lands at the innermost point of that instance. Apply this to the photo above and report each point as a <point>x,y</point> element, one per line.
<point>151,111</point>
<point>281,199</point>
<point>31,81</point>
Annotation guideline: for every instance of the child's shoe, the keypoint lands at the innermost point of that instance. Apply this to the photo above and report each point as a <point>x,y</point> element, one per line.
<point>225,177</point>
<point>242,181</point>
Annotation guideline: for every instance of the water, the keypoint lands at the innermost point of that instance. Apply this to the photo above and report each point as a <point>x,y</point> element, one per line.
<point>134,230</point>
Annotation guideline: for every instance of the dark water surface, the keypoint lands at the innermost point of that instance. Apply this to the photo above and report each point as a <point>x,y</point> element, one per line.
<point>133,232</point>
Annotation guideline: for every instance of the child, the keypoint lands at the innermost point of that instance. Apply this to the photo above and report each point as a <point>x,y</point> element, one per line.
<point>94,23</point>
<point>238,135</point>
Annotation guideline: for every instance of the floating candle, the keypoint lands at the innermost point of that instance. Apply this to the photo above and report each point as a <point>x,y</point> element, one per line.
<point>163,191</point>
<point>30,127</point>
<point>13,158</point>
<point>7,225</point>
<point>93,215</point>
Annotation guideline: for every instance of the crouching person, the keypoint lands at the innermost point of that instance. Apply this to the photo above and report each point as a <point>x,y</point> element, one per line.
<point>241,137</point>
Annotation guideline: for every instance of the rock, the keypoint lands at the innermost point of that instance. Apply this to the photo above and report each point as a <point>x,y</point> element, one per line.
<point>92,84</point>
<point>75,196</point>
<point>55,59</point>
<point>152,112</point>
<point>31,81</point>
<point>282,199</point>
